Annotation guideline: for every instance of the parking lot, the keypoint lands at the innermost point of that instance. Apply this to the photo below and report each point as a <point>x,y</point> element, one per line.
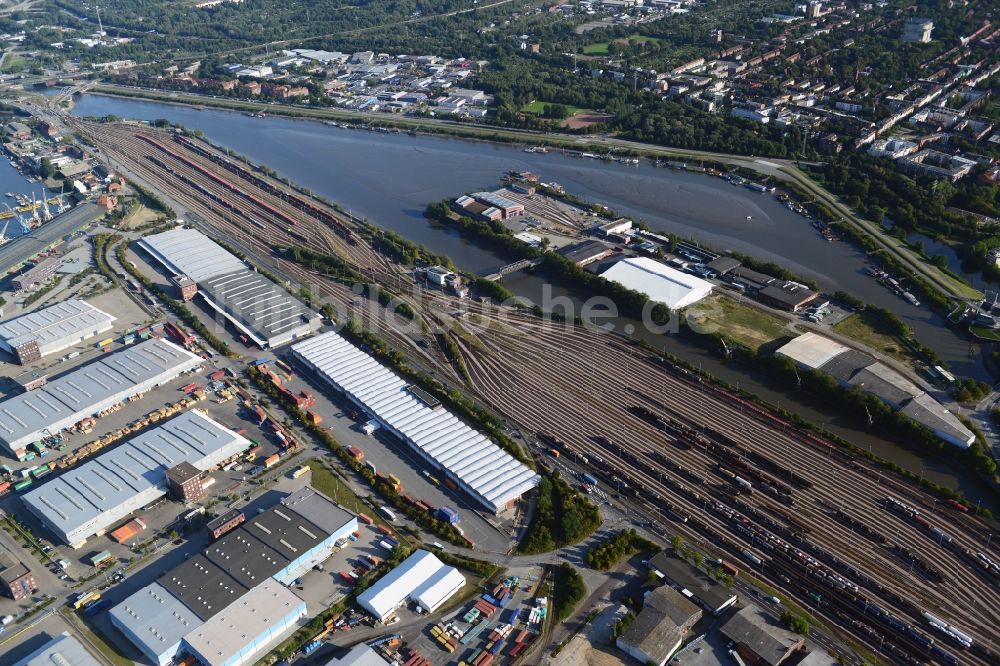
<point>389,456</point>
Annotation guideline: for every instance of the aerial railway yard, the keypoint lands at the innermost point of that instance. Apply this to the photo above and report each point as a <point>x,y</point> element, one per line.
<point>861,547</point>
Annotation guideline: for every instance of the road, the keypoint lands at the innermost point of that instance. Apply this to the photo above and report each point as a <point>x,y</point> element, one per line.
<point>780,169</point>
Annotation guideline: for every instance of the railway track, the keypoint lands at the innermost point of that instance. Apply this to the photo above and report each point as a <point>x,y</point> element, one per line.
<point>588,391</point>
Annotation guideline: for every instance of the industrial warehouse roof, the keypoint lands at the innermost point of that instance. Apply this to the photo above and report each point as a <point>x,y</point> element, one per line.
<point>488,472</point>
<point>191,253</point>
<point>411,577</point>
<point>657,629</point>
<point>155,617</point>
<point>886,383</point>
<point>761,634</point>
<point>246,559</point>
<point>47,326</point>
<point>260,308</point>
<point>63,650</point>
<point>117,477</point>
<point>21,249</point>
<point>811,350</point>
<point>202,586</point>
<point>261,611</point>
<point>62,402</point>
<point>318,510</point>
<point>250,554</point>
<point>360,655</point>
<point>928,411</point>
<point>658,281</point>
<point>712,594</point>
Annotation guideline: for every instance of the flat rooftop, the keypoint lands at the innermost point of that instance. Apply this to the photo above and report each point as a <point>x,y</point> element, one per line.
<point>23,248</point>
<point>68,319</point>
<point>258,618</point>
<point>155,618</point>
<point>252,553</point>
<point>65,400</point>
<point>255,304</point>
<point>710,593</point>
<point>318,510</point>
<point>204,587</point>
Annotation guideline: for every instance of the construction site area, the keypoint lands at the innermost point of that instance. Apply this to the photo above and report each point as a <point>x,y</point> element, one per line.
<point>862,548</point>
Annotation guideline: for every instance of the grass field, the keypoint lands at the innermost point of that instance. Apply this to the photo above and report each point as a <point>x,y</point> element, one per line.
<point>537,107</point>
<point>601,48</point>
<point>739,322</point>
<point>867,331</point>
<point>334,487</point>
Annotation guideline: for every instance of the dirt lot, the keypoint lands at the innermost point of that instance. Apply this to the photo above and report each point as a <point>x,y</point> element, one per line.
<point>587,119</point>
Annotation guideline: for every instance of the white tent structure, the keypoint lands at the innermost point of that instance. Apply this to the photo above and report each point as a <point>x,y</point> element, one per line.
<point>469,458</point>
<point>659,282</point>
<point>421,577</point>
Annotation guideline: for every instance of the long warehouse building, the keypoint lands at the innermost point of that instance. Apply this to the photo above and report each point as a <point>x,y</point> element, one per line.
<point>87,500</point>
<point>262,310</point>
<point>226,604</point>
<point>467,457</point>
<point>85,391</point>
<point>49,330</point>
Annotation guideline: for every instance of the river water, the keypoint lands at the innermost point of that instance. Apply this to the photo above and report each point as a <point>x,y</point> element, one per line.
<point>389,178</point>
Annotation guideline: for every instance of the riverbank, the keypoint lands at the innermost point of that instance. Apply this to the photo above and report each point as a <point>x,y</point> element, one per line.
<point>783,170</point>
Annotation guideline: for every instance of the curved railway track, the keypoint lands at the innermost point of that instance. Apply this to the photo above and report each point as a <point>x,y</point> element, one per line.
<point>583,387</point>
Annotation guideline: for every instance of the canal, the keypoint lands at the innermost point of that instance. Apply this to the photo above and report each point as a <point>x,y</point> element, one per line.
<point>389,179</point>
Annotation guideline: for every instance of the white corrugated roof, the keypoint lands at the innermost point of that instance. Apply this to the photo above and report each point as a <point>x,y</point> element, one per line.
<point>63,320</point>
<point>192,253</point>
<point>484,468</point>
<point>410,577</point>
<point>658,281</point>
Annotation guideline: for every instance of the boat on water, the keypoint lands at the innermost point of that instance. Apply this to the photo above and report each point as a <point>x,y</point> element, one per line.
<point>749,217</point>
<point>10,194</point>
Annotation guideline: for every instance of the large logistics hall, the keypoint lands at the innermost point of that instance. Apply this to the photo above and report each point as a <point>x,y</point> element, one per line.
<point>49,330</point>
<point>228,604</point>
<point>262,310</point>
<point>421,577</point>
<point>63,402</point>
<point>481,468</point>
<point>87,500</point>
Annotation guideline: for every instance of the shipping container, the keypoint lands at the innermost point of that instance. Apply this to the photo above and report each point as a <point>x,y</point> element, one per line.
<point>365,519</point>
<point>449,514</point>
<point>729,568</point>
<point>21,485</point>
<point>271,461</point>
<point>102,559</point>
<point>94,607</point>
<point>388,513</point>
<point>589,479</point>
<point>128,530</point>
<point>304,469</point>
<point>356,453</point>
<point>5,487</point>
<point>84,598</point>
<point>396,483</point>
